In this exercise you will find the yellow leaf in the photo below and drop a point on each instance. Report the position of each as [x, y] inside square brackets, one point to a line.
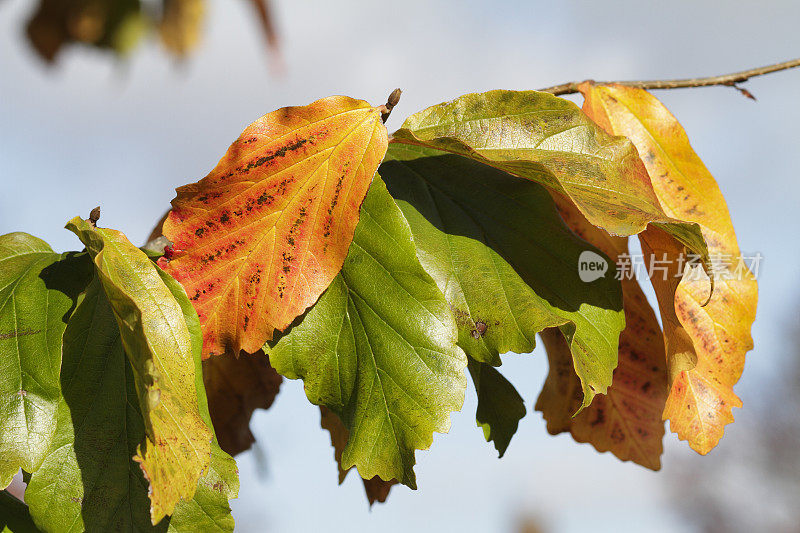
[705, 344]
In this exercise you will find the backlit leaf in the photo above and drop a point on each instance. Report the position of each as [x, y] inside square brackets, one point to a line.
[158, 344]
[263, 235]
[627, 419]
[236, 386]
[505, 261]
[549, 140]
[379, 348]
[38, 289]
[89, 480]
[706, 345]
[500, 407]
[376, 489]
[209, 510]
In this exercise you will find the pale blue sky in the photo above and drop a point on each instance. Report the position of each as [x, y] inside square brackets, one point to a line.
[91, 131]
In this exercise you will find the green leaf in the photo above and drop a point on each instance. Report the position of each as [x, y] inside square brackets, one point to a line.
[38, 288]
[549, 140]
[379, 348]
[506, 262]
[89, 481]
[156, 339]
[500, 407]
[14, 515]
[209, 510]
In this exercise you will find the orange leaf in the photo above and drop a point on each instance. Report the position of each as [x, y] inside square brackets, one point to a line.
[705, 345]
[237, 386]
[627, 419]
[264, 234]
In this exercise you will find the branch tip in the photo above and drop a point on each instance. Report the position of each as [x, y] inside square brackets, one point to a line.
[94, 216]
[386, 109]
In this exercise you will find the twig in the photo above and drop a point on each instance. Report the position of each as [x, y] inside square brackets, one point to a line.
[729, 80]
[386, 109]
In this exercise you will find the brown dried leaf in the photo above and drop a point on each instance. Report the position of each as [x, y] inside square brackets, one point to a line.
[237, 386]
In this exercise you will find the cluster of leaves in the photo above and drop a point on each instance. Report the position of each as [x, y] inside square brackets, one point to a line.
[380, 270]
[119, 25]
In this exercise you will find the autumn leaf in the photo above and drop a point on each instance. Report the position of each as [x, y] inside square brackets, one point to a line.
[376, 489]
[701, 374]
[379, 348]
[548, 140]
[38, 289]
[706, 344]
[236, 386]
[89, 480]
[258, 239]
[99, 407]
[627, 419]
[158, 344]
[505, 261]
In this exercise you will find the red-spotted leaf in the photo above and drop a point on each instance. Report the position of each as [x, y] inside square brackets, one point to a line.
[706, 338]
[264, 234]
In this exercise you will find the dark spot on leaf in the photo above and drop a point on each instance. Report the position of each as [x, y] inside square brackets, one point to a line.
[19, 333]
[480, 329]
[280, 152]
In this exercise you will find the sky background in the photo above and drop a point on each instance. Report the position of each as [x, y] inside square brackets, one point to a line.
[93, 131]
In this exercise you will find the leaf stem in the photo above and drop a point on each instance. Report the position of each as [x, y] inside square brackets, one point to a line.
[729, 80]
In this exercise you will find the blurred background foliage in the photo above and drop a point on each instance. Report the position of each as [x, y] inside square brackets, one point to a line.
[118, 26]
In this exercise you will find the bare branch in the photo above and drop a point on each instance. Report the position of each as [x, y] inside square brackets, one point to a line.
[730, 80]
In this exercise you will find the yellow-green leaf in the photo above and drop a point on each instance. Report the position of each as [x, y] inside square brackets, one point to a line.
[158, 343]
[546, 139]
[38, 289]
